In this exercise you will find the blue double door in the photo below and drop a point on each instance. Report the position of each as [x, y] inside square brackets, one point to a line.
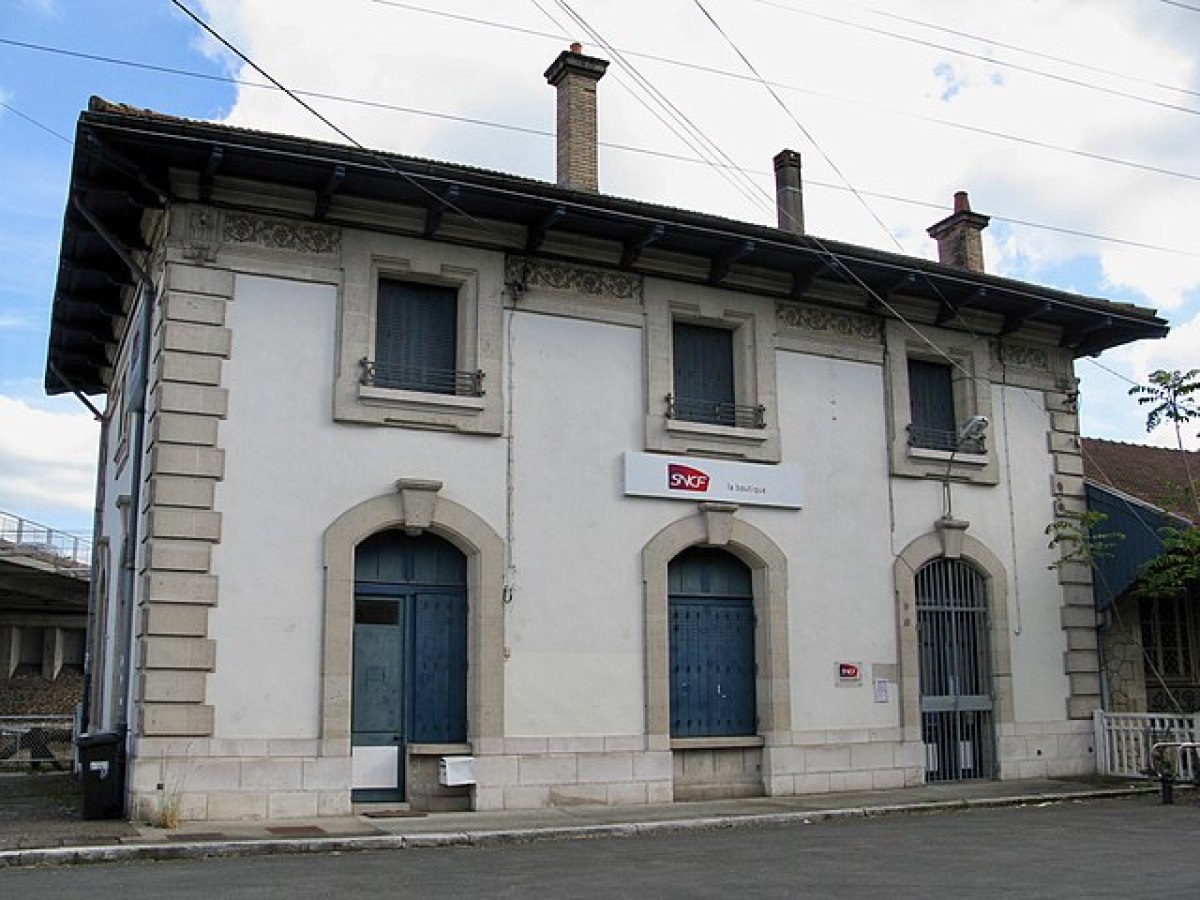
[711, 634]
[410, 657]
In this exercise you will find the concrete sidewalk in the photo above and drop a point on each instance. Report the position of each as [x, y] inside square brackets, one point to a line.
[40, 824]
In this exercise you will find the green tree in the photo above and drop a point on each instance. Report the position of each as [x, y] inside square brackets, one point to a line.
[1172, 397]
[1176, 569]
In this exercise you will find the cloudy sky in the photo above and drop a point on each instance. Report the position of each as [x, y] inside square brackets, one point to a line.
[1075, 124]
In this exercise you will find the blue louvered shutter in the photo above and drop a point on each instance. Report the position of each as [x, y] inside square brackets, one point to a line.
[931, 397]
[704, 389]
[439, 668]
[416, 338]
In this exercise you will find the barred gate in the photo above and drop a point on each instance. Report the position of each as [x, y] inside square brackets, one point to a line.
[1124, 742]
[957, 724]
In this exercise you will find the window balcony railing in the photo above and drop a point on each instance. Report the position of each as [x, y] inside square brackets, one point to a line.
[417, 378]
[733, 415]
[926, 438]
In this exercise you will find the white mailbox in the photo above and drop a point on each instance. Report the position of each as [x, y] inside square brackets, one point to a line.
[454, 771]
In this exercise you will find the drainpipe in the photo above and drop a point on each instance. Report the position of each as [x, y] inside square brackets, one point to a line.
[137, 406]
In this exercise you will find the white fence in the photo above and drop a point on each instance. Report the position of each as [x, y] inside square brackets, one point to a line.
[1124, 740]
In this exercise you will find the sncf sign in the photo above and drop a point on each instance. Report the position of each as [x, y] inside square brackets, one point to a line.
[685, 478]
[690, 478]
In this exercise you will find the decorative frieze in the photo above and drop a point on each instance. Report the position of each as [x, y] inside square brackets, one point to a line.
[830, 323]
[1021, 356]
[280, 234]
[526, 272]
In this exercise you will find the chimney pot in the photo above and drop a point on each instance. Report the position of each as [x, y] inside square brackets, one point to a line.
[574, 75]
[789, 192]
[960, 236]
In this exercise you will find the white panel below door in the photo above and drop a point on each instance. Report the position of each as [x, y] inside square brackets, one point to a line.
[374, 767]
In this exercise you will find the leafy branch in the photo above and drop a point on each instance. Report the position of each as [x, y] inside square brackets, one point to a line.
[1176, 569]
[1079, 539]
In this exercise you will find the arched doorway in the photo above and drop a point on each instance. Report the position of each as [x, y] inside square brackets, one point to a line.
[710, 599]
[956, 700]
[409, 655]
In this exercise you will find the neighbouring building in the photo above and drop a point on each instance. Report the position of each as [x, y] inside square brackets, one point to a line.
[43, 618]
[1150, 645]
[591, 500]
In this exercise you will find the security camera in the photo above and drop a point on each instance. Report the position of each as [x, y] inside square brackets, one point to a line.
[973, 428]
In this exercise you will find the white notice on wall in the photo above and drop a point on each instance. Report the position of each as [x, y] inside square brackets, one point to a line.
[881, 690]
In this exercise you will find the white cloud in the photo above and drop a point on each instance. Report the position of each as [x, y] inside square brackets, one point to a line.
[47, 458]
[866, 103]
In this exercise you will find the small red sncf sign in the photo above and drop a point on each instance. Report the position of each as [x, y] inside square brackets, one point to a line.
[685, 478]
[849, 672]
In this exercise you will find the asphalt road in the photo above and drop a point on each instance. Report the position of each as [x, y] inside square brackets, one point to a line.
[1124, 848]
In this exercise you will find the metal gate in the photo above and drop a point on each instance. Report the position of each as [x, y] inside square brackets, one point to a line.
[957, 722]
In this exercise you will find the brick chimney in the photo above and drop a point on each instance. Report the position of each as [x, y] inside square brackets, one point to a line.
[575, 77]
[960, 236]
[789, 192]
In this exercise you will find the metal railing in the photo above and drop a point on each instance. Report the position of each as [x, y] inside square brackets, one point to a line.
[734, 415]
[1125, 743]
[417, 378]
[926, 438]
[67, 553]
[31, 742]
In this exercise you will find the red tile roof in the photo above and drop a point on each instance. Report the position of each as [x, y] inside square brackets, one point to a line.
[1157, 475]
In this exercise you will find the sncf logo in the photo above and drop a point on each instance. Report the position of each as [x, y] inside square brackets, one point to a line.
[685, 478]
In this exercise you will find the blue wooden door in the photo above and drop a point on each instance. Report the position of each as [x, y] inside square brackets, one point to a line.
[410, 656]
[711, 636]
[378, 711]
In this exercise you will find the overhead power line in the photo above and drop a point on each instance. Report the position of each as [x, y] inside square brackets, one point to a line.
[611, 145]
[991, 60]
[920, 117]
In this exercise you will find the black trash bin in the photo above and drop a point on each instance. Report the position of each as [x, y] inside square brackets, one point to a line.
[102, 763]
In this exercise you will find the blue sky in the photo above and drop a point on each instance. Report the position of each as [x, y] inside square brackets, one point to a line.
[1063, 119]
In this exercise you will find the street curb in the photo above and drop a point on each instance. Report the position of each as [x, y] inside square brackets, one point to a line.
[109, 853]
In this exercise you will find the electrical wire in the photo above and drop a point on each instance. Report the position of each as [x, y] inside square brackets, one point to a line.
[444, 200]
[1016, 48]
[1028, 70]
[723, 73]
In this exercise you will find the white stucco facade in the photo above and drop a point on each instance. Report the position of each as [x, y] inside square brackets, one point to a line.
[566, 651]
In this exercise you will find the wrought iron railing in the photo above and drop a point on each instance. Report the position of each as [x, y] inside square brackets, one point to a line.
[419, 378]
[735, 415]
[1124, 742]
[31, 742]
[926, 438]
[67, 553]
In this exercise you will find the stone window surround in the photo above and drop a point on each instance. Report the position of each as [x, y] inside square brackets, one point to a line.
[972, 396]
[716, 525]
[752, 320]
[415, 506]
[920, 551]
[477, 276]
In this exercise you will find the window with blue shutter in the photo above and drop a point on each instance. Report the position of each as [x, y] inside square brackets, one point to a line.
[711, 645]
[416, 337]
[704, 388]
[931, 398]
